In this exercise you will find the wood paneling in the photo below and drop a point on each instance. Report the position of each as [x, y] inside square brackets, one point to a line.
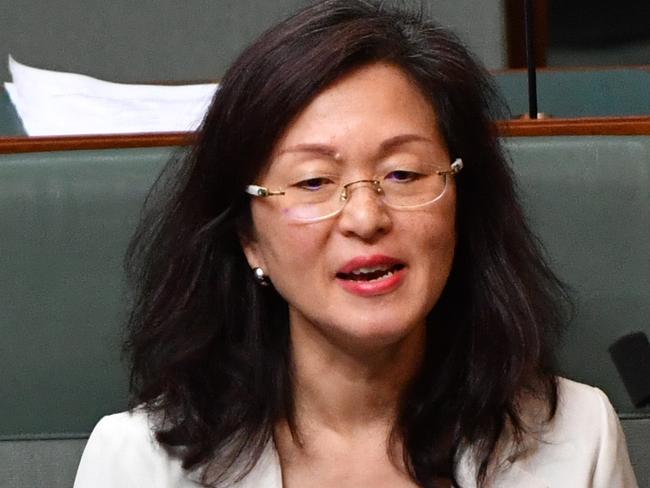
[69, 143]
[591, 126]
[588, 126]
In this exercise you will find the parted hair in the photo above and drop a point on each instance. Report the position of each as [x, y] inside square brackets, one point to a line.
[209, 348]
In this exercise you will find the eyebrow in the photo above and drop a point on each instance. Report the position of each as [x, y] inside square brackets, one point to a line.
[322, 149]
[398, 140]
[329, 151]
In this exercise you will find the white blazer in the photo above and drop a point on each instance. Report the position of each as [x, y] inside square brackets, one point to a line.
[583, 447]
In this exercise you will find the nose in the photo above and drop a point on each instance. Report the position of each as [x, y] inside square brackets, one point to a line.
[364, 214]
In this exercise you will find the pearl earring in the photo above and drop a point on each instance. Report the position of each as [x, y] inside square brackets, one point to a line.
[261, 278]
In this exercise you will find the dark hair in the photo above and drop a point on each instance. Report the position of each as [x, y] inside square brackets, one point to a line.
[210, 348]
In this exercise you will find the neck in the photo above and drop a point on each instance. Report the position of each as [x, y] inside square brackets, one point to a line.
[345, 389]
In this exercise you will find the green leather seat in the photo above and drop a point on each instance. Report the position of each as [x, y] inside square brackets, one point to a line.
[65, 220]
[588, 199]
[589, 202]
[39, 463]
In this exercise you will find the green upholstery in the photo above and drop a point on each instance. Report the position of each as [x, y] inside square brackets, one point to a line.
[10, 124]
[637, 435]
[581, 93]
[589, 202]
[65, 219]
[43, 463]
[588, 199]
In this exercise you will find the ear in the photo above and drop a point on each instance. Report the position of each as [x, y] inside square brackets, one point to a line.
[250, 246]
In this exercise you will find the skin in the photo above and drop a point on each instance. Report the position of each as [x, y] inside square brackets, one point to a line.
[354, 354]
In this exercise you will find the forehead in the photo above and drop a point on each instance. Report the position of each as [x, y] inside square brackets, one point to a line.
[360, 112]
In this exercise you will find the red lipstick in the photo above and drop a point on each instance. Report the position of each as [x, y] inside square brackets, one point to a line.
[371, 275]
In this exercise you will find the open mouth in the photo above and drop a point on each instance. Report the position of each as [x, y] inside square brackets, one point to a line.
[371, 273]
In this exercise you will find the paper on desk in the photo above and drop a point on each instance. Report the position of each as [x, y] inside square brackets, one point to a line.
[57, 103]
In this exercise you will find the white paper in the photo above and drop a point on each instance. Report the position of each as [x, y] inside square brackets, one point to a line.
[53, 103]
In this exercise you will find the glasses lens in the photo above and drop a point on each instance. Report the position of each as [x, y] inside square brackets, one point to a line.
[413, 187]
[312, 200]
[404, 186]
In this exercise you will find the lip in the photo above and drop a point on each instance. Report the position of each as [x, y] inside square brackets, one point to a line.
[374, 287]
[368, 262]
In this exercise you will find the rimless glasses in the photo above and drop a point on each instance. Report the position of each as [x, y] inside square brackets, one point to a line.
[313, 197]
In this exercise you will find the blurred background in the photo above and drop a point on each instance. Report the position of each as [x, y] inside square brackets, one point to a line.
[186, 40]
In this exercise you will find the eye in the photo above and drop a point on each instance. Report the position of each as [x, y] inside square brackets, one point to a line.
[402, 176]
[314, 184]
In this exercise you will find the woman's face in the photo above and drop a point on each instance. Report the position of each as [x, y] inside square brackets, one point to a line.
[402, 258]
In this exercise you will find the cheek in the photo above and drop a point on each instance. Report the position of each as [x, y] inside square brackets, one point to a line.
[295, 264]
[296, 251]
[287, 249]
[439, 247]
[446, 241]
[436, 245]
[446, 224]
[435, 229]
[441, 244]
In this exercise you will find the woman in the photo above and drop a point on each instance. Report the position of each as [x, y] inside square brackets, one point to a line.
[338, 287]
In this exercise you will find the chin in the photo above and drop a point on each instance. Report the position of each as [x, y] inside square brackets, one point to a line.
[378, 335]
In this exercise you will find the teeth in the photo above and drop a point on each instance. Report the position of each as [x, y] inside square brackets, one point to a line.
[388, 273]
[360, 271]
[371, 273]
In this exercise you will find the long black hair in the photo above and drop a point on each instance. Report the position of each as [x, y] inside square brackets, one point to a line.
[209, 347]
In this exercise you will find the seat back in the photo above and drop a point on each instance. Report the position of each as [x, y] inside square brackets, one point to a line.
[580, 93]
[588, 199]
[66, 218]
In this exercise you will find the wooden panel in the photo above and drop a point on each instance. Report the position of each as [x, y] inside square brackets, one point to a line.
[511, 128]
[588, 126]
[67, 143]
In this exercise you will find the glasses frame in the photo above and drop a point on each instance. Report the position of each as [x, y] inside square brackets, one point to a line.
[264, 192]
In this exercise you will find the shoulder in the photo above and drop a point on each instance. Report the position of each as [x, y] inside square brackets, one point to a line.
[582, 410]
[122, 452]
[126, 432]
[582, 445]
[124, 427]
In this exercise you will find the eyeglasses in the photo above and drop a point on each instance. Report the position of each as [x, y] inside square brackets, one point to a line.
[314, 197]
